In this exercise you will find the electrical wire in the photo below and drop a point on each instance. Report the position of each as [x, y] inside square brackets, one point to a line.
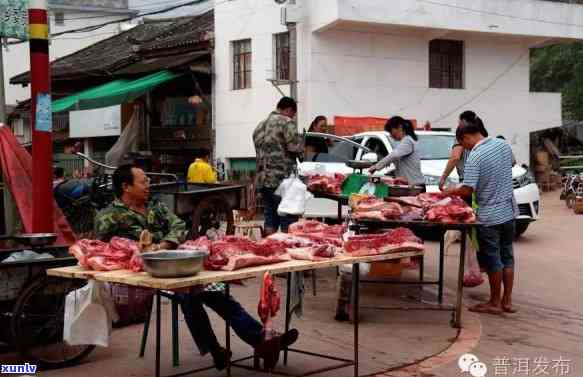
[488, 87]
[150, 6]
[127, 19]
[432, 2]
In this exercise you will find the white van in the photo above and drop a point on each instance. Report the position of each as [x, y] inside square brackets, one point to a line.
[435, 150]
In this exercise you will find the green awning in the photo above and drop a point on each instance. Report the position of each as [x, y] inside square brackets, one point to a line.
[112, 93]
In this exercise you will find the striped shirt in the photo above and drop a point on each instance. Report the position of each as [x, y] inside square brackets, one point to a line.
[488, 171]
[407, 160]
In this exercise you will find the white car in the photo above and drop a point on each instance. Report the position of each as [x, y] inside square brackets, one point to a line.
[435, 150]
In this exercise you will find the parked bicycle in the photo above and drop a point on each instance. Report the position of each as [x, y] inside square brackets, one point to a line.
[572, 187]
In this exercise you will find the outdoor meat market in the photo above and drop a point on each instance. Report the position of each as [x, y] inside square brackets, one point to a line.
[287, 187]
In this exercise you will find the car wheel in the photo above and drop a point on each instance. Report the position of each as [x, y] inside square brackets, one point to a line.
[520, 229]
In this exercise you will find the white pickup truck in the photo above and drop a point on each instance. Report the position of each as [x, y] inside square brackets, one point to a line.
[435, 150]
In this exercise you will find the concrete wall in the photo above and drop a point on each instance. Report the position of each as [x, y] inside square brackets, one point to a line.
[17, 58]
[355, 73]
[516, 17]
[239, 111]
[112, 4]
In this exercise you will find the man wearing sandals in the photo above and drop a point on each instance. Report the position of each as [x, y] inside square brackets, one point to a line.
[488, 173]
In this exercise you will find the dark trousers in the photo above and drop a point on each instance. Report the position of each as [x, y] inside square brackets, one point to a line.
[273, 220]
[197, 320]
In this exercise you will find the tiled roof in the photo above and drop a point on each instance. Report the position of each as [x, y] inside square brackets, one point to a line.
[147, 41]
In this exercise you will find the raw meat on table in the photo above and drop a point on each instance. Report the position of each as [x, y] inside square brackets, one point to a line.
[325, 183]
[369, 215]
[429, 198]
[412, 213]
[392, 211]
[450, 210]
[119, 254]
[405, 201]
[201, 243]
[371, 203]
[307, 226]
[399, 181]
[232, 253]
[269, 303]
[399, 239]
[317, 232]
[313, 253]
[290, 240]
[376, 209]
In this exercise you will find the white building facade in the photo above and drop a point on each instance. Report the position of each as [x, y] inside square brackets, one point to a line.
[65, 15]
[427, 60]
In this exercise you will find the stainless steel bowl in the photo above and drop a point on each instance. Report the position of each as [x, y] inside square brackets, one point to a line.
[174, 263]
[36, 239]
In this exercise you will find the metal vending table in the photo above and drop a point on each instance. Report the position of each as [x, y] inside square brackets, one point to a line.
[144, 280]
[362, 226]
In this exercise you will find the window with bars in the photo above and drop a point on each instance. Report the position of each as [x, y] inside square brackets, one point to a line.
[242, 64]
[60, 19]
[446, 64]
[282, 56]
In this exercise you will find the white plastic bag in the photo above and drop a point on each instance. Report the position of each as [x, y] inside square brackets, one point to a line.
[368, 188]
[89, 312]
[363, 269]
[294, 194]
[126, 143]
[472, 275]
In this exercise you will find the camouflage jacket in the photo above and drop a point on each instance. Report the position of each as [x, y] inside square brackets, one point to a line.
[277, 144]
[121, 221]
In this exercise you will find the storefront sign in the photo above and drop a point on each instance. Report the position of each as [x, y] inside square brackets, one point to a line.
[95, 123]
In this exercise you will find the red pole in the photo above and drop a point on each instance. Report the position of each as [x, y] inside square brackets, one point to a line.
[41, 119]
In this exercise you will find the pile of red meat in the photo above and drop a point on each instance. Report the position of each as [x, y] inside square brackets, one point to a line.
[400, 239]
[269, 300]
[434, 207]
[306, 240]
[326, 183]
[312, 240]
[230, 253]
[447, 209]
[389, 181]
[118, 254]
[373, 208]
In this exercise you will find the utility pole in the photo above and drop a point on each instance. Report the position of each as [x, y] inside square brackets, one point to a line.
[2, 95]
[41, 118]
[293, 59]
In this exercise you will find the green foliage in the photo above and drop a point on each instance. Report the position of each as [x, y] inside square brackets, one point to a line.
[559, 68]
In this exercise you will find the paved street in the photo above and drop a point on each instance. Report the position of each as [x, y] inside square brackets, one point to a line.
[549, 323]
[548, 294]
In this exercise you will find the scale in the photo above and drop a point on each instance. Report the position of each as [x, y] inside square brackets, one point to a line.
[33, 240]
[359, 166]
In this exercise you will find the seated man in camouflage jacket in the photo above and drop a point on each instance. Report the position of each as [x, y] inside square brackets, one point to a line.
[130, 214]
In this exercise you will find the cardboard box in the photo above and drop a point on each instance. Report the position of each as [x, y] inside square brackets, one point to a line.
[386, 269]
[578, 206]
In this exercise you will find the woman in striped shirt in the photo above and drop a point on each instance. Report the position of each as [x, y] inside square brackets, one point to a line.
[459, 155]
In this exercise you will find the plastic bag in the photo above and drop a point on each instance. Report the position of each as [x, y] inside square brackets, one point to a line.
[472, 275]
[363, 269]
[368, 188]
[89, 312]
[294, 195]
[126, 143]
[26, 255]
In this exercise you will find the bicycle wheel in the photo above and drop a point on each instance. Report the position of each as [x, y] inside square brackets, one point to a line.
[37, 324]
